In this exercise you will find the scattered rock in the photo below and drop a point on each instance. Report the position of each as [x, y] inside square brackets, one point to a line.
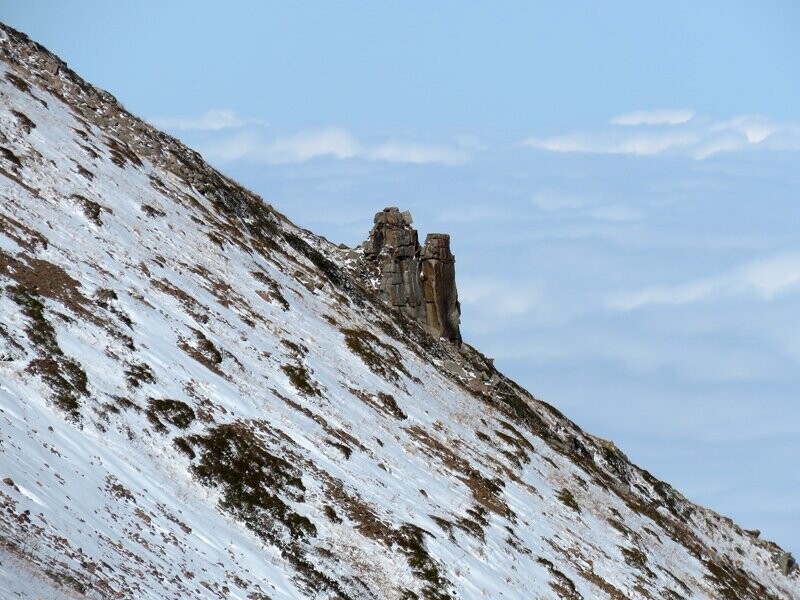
[753, 532]
[476, 385]
[622, 488]
[454, 368]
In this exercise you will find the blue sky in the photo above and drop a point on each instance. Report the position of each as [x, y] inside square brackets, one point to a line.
[621, 181]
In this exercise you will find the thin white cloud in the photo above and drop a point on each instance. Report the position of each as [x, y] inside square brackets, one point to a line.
[555, 200]
[756, 128]
[213, 120]
[613, 142]
[306, 145]
[333, 142]
[251, 143]
[467, 140]
[497, 297]
[675, 133]
[654, 117]
[585, 206]
[616, 213]
[404, 152]
[765, 278]
[232, 148]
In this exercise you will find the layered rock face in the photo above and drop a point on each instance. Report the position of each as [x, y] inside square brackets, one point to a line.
[420, 281]
[438, 275]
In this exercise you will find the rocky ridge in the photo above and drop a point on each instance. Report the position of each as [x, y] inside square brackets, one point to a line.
[200, 399]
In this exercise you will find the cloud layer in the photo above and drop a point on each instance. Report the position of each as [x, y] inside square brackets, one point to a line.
[765, 278]
[229, 138]
[213, 120]
[654, 117]
[331, 142]
[676, 133]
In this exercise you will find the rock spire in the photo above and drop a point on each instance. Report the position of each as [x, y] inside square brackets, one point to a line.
[420, 281]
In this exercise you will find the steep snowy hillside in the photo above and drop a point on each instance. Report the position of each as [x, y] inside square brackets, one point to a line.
[200, 399]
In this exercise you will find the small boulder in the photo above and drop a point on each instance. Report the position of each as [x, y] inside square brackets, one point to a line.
[786, 563]
[623, 489]
[753, 532]
[454, 368]
[478, 386]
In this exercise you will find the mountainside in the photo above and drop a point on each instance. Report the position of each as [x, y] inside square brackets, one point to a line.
[200, 399]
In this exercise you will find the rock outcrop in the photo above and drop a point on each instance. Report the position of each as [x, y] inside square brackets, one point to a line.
[787, 563]
[420, 281]
[438, 275]
[393, 247]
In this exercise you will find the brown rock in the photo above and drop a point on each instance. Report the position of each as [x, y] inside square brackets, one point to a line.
[394, 247]
[443, 310]
[786, 563]
[418, 281]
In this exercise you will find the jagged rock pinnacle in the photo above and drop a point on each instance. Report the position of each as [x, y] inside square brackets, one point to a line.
[419, 281]
[438, 275]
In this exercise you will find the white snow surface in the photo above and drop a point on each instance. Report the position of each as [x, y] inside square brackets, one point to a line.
[101, 503]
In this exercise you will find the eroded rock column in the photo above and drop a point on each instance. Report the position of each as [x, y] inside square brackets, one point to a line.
[438, 275]
[394, 245]
[419, 281]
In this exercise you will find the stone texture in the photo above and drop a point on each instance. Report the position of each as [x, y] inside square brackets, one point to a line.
[394, 247]
[453, 367]
[420, 281]
[787, 563]
[443, 311]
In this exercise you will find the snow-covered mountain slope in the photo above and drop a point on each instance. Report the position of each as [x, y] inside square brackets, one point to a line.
[199, 399]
